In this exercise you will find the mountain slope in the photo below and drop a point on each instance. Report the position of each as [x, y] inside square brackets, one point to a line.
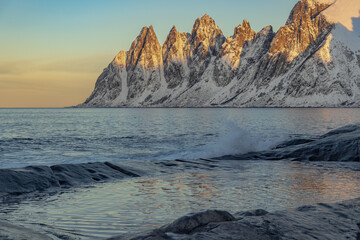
[312, 61]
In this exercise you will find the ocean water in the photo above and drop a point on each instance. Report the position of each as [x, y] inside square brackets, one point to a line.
[54, 136]
[133, 205]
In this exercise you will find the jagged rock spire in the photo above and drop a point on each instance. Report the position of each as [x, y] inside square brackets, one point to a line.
[174, 45]
[143, 64]
[205, 36]
[174, 57]
[303, 26]
[120, 59]
[231, 49]
[205, 41]
[145, 51]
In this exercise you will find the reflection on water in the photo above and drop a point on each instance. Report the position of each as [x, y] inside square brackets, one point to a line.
[108, 209]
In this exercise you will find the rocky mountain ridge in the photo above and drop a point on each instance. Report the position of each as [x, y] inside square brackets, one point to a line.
[306, 63]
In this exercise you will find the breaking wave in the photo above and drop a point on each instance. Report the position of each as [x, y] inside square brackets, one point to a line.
[238, 141]
[235, 140]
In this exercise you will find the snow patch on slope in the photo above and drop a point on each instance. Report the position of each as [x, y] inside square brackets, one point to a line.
[349, 39]
[324, 52]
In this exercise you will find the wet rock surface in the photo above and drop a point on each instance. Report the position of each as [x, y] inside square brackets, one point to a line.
[320, 221]
[15, 232]
[14, 182]
[341, 145]
[188, 223]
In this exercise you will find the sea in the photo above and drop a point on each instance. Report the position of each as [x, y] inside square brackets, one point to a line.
[78, 135]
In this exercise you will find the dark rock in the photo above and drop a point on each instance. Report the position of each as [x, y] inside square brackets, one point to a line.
[42, 178]
[26, 180]
[190, 222]
[341, 145]
[257, 212]
[70, 175]
[322, 221]
[294, 142]
[148, 235]
[9, 231]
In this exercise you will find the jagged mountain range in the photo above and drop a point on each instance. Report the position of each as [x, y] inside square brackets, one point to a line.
[311, 61]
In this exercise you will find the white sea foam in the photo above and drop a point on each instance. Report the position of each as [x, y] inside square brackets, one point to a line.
[235, 140]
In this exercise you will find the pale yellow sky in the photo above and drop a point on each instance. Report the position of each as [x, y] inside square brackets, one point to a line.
[39, 83]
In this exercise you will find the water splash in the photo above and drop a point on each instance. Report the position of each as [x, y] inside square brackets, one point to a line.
[236, 140]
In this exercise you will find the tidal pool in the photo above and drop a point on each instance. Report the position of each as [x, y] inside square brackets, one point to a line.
[106, 209]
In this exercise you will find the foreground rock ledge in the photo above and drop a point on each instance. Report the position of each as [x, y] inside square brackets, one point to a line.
[15, 232]
[321, 221]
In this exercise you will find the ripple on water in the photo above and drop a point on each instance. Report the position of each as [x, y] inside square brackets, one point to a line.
[136, 204]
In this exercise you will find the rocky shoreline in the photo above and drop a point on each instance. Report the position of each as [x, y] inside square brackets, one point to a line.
[320, 221]
[340, 145]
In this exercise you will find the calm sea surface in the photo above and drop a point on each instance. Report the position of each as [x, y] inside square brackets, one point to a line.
[53, 136]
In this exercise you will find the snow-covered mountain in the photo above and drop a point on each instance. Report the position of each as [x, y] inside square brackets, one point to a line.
[311, 61]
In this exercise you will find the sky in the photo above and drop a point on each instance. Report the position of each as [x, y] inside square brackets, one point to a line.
[52, 51]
